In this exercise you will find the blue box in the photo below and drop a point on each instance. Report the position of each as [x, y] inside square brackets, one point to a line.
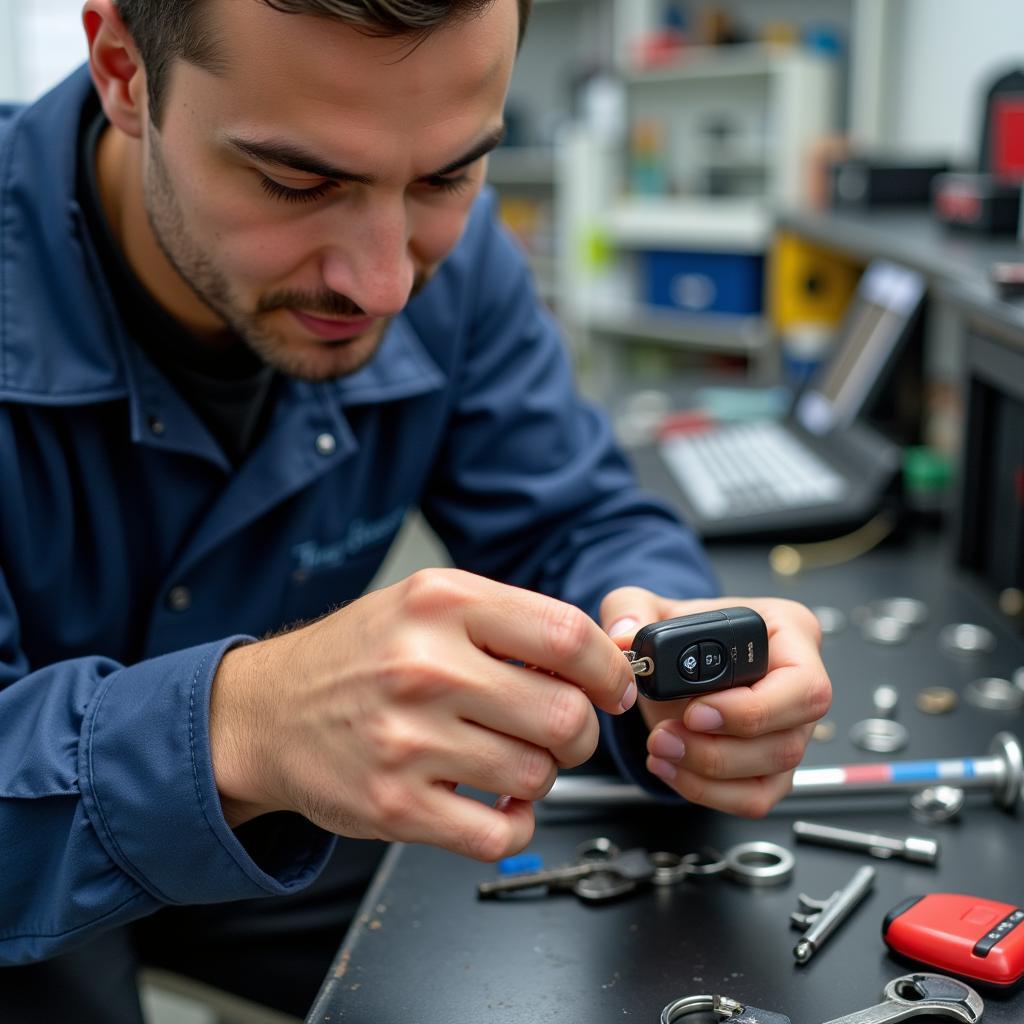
[703, 282]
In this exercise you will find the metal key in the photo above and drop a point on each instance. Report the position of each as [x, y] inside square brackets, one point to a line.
[632, 867]
[916, 994]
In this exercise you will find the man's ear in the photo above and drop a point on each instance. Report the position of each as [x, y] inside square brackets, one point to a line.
[116, 67]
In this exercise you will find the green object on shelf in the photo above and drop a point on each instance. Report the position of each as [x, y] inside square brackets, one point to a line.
[925, 470]
[597, 249]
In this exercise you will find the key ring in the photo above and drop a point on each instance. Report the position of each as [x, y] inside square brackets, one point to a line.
[600, 848]
[707, 861]
[680, 1008]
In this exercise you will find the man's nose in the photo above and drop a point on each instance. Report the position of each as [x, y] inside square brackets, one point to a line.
[371, 262]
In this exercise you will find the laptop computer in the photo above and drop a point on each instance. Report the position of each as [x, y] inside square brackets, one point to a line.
[824, 466]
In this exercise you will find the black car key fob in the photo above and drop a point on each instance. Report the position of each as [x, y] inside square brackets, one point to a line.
[700, 653]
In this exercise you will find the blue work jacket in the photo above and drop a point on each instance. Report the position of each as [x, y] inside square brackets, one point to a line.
[133, 553]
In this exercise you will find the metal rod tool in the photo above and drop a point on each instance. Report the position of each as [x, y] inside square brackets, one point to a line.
[829, 914]
[1001, 772]
[878, 844]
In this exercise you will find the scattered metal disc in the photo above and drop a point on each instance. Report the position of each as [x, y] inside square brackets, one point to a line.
[885, 700]
[879, 735]
[936, 700]
[885, 630]
[907, 609]
[824, 731]
[994, 694]
[1018, 678]
[831, 620]
[937, 803]
[966, 638]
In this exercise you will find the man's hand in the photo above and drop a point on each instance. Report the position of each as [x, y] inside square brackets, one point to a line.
[734, 750]
[366, 720]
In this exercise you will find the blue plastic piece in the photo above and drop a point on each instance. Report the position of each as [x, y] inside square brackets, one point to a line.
[520, 864]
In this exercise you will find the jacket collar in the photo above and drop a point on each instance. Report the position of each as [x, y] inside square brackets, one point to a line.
[61, 339]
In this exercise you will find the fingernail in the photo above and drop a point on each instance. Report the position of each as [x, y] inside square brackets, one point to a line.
[665, 771]
[620, 626]
[629, 697]
[704, 718]
[667, 745]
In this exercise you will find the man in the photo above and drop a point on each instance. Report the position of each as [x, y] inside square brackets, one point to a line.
[254, 308]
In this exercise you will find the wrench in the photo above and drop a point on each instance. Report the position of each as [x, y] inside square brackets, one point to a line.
[915, 994]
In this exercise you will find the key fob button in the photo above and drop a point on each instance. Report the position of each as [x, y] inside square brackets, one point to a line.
[689, 663]
[712, 660]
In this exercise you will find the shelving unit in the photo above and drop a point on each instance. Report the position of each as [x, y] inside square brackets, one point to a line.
[779, 101]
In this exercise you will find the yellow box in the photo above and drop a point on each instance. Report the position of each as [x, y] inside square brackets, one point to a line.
[807, 283]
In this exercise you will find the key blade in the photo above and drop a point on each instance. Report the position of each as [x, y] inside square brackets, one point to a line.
[552, 878]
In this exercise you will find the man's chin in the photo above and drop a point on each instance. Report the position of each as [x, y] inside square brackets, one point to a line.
[320, 360]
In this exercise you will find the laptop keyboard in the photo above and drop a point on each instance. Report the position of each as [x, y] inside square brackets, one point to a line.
[747, 468]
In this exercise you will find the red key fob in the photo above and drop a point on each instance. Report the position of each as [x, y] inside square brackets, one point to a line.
[960, 934]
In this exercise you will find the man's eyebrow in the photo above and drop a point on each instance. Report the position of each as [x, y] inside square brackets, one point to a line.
[285, 154]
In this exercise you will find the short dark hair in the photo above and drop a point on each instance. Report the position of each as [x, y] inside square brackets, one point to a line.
[165, 31]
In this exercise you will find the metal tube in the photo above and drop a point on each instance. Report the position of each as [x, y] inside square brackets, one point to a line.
[1001, 771]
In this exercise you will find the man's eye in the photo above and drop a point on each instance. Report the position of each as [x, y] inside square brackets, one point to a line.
[452, 185]
[276, 190]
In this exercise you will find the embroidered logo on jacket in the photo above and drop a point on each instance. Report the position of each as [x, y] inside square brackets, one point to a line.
[312, 556]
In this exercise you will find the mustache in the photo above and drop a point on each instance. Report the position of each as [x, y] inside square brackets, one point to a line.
[327, 303]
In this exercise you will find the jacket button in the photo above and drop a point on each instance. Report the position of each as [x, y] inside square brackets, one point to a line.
[156, 425]
[179, 599]
[325, 444]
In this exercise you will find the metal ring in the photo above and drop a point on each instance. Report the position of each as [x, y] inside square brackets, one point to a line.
[885, 629]
[599, 848]
[707, 862]
[759, 863]
[669, 868]
[879, 735]
[994, 694]
[831, 620]
[966, 638]
[906, 609]
[723, 1006]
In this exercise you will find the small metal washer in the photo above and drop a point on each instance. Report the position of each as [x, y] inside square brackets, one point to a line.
[936, 700]
[831, 620]
[966, 638]
[759, 863]
[994, 694]
[937, 803]
[907, 609]
[879, 735]
[885, 700]
[885, 629]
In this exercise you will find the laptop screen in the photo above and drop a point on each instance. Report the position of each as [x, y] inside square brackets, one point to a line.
[877, 322]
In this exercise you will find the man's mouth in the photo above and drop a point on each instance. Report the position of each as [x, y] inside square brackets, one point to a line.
[333, 330]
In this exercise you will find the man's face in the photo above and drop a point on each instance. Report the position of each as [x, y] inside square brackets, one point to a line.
[308, 190]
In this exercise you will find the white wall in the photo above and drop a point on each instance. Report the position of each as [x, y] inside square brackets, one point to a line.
[944, 55]
[40, 42]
